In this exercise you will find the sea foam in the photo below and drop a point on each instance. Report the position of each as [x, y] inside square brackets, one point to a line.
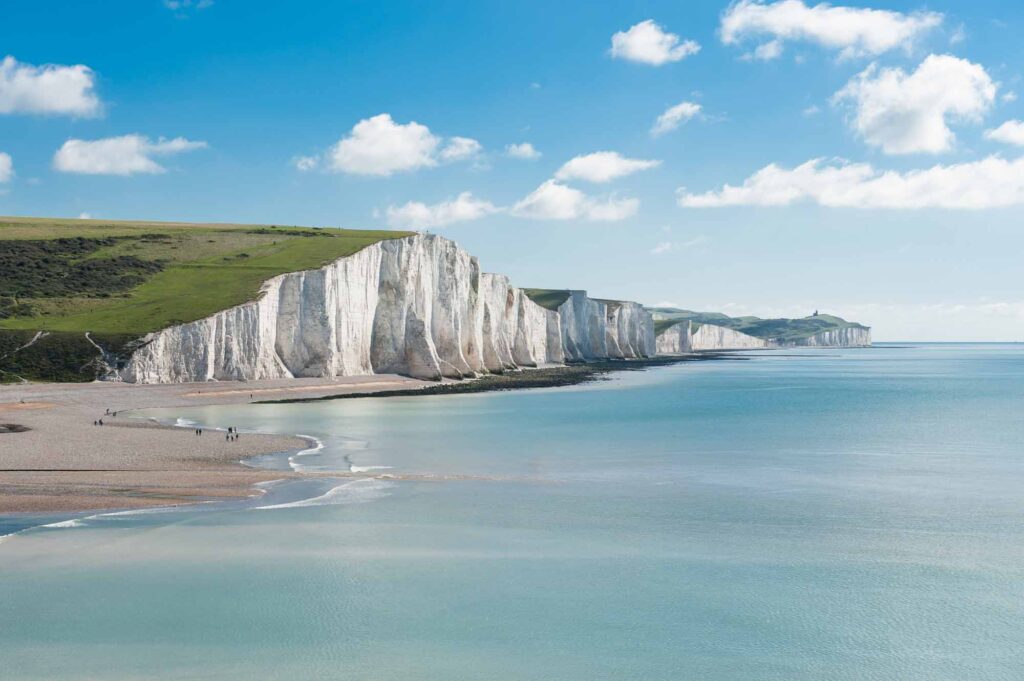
[351, 492]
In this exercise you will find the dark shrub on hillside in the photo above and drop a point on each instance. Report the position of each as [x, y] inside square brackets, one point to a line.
[59, 267]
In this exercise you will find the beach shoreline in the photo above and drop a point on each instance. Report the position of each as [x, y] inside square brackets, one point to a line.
[60, 462]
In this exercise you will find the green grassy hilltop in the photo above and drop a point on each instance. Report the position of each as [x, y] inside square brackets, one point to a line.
[134, 277]
[119, 280]
[779, 330]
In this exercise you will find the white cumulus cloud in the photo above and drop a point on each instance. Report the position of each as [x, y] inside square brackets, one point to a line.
[853, 31]
[907, 113]
[380, 146]
[125, 155]
[675, 116]
[418, 215]
[1010, 132]
[602, 166]
[6, 168]
[556, 201]
[523, 151]
[648, 43]
[460, 148]
[993, 182]
[47, 89]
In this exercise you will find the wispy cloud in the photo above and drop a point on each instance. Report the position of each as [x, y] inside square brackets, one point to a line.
[1010, 132]
[125, 155]
[463, 208]
[852, 31]
[675, 116]
[993, 182]
[602, 166]
[524, 151]
[556, 201]
[669, 246]
[6, 168]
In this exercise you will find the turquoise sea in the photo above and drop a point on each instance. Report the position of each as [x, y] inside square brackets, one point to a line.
[797, 516]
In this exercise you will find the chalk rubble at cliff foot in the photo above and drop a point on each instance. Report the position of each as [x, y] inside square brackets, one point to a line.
[417, 306]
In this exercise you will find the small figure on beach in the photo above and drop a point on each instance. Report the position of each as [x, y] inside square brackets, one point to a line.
[101, 422]
[95, 422]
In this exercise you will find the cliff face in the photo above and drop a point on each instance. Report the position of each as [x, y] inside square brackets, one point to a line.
[675, 340]
[849, 337]
[711, 337]
[680, 339]
[417, 306]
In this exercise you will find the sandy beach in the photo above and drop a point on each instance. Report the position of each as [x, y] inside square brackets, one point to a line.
[64, 463]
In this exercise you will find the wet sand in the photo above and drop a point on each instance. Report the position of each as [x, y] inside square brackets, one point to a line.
[64, 463]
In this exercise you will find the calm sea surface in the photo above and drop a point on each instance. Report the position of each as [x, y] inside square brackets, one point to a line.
[798, 516]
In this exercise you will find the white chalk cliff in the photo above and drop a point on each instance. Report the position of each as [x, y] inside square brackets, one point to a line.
[681, 338]
[847, 337]
[417, 306]
[675, 340]
[712, 337]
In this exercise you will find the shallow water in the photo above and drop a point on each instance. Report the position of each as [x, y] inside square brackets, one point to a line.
[802, 515]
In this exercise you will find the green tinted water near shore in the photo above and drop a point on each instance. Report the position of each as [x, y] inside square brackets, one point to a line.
[805, 515]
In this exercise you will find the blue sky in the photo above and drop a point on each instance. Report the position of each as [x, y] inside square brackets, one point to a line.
[213, 106]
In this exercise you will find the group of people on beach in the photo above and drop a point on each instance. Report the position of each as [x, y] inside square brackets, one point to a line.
[99, 422]
[230, 436]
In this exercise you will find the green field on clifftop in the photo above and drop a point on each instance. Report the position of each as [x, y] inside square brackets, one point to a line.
[118, 277]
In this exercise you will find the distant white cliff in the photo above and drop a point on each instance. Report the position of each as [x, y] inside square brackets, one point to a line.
[417, 306]
[848, 337]
[681, 338]
[675, 340]
[711, 337]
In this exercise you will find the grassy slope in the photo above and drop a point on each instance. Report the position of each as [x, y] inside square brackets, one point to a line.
[663, 325]
[552, 299]
[784, 330]
[206, 268]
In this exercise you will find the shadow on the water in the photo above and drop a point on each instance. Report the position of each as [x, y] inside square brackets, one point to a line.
[545, 377]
